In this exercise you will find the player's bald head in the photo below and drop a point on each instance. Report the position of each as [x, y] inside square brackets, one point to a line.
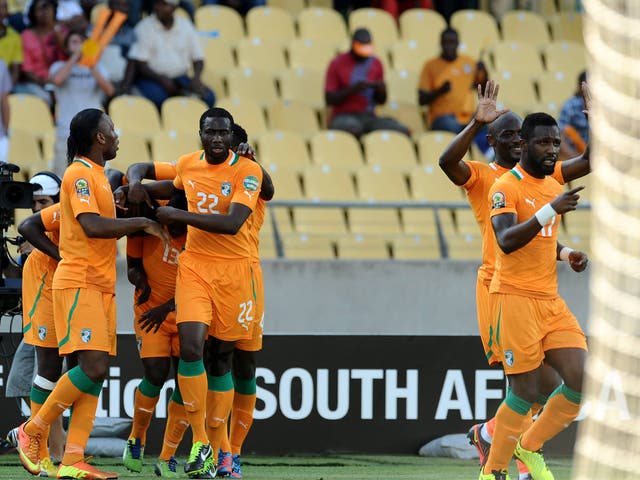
[507, 121]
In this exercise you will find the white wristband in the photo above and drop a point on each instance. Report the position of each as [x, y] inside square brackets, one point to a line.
[564, 253]
[545, 214]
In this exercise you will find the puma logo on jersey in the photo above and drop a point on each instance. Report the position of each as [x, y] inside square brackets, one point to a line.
[249, 194]
[56, 217]
[531, 202]
[192, 183]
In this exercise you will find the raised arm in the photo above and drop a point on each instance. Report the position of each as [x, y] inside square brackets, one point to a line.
[581, 165]
[32, 229]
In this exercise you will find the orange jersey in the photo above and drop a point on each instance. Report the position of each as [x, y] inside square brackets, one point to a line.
[160, 263]
[256, 220]
[165, 170]
[86, 262]
[211, 189]
[459, 101]
[530, 270]
[50, 217]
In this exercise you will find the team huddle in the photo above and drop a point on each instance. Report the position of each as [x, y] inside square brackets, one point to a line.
[205, 310]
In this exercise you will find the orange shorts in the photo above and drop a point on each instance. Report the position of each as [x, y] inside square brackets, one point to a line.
[525, 328]
[484, 320]
[85, 320]
[163, 343]
[219, 294]
[38, 325]
[254, 344]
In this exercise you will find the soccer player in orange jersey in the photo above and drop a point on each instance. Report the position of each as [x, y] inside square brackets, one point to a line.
[531, 323]
[477, 178]
[214, 294]
[83, 293]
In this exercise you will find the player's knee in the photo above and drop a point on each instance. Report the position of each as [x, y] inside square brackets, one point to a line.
[219, 364]
[156, 372]
[190, 352]
[244, 364]
[214, 422]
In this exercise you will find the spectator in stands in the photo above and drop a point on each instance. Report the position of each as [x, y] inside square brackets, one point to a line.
[166, 47]
[242, 6]
[77, 87]
[41, 47]
[5, 89]
[10, 44]
[447, 85]
[354, 86]
[573, 124]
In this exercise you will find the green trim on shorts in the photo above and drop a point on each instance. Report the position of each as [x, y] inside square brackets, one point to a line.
[71, 310]
[39, 396]
[517, 404]
[220, 384]
[148, 389]
[190, 369]
[253, 285]
[245, 387]
[176, 396]
[35, 302]
[498, 326]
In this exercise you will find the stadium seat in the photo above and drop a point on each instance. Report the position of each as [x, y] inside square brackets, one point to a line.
[282, 216]
[293, 116]
[552, 108]
[431, 145]
[465, 247]
[422, 26]
[182, 113]
[312, 54]
[247, 113]
[402, 86]
[524, 27]
[418, 221]
[415, 247]
[286, 181]
[323, 183]
[389, 149]
[250, 83]
[567, 57]
[169, 145]
[380, 222]
[361, 247]
[380, 23]
[316, 220]
[337, 149]
[517, 91]
[284, 149]
[272, 24]
[261, 54]
[432, 185]
[267, 246]
[303, 85]
[411, 56]
[409, 115]
[220, 22]
[32, 114]
[217, 54]
[555, 87]
[465, 221]
[547, 8]
[132, 149]
[477, 29]
[516, 58]
[135, 114]
[587, 192]
[24, 151]
[294, 7]
[577, 230]
[381, 184]
[305, 246]
[567, 26]
[323, 25]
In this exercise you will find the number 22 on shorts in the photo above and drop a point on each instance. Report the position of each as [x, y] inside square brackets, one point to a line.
[245, 317]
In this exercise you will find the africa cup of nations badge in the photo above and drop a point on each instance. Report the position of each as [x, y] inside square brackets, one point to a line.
[82, 188]
[498, 200]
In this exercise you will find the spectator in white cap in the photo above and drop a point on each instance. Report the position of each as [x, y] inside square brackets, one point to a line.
[47, 194]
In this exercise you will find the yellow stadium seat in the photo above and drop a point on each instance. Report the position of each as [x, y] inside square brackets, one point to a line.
[477, 30]
[312, 54]
[182, 113]
[218, 55]
[303, 85]
[250, 83]
[587, 192]
[293, 116]
[24, 151]
[517, 91]
[402, 86]
[567, 26]
[555, 87]
[286, 182]
[336, 149]
[381, 222]
[431, 145]
[247, 113]
[567, 57]
[578, 222]
[213, 79]
[418, 221]
[320, 3]
[465, 220]
[31, 113]
[272, 24]
[282, 217]
[517, 58]
[294, 7]
[169, 145]
[415, 247]
[323, 25]
[525, 27]
[389, 149]
[323, 183]
[547, 8]
[135, 114]
[552, 108]
[380, 24]
[267, 246]
[411, 55]
[220, 22]
[422, 25]
[381, 184]
[432, 185]
[305, 246]
[407, 114]
[261, 54]
[285, 149]
[316, 220]
[465, 247]
[132, 149]
[361, 247]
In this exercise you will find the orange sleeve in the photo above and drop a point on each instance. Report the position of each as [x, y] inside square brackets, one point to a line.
[134, 247]
[503, 197]
[50, 217]
[177, 180]
[557, 173]
[165, 170]
[473, 178]
[247, 185]
[81, 188]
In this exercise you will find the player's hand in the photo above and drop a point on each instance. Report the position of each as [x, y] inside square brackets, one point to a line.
[567, 201]
[445, 88]
[578, 261]
[138, 194]
[25, 248]
[165, 214]
[586, 97]
[143, 292]
[120, 198]
[157, 230]
[152, 319]
[246, 150]
[487, 110]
